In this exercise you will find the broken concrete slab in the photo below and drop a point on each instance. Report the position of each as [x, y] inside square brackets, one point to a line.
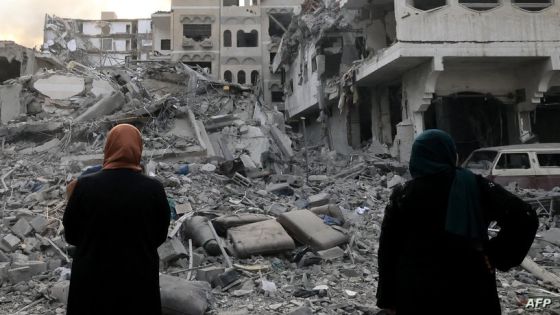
[101, 88]
[260, 238]
[60, 87]
[11, 106]
[28, 128]
[47, 146]
[59, 291]
[181, 297]
[307, 228]
[209, 274]
[283, 142]
[106, 106]
[331, 253]
[21, 228]
[171, 250]
[24, 271]
[319, 200]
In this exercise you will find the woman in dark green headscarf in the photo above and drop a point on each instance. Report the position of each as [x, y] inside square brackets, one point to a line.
[434, 255]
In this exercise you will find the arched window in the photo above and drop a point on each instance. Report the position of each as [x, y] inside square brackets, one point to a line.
[228, 76]
[250, 39]
[241, 77]
[426, 5]
[532, 5]
[227, 38]
[480, 5]
[254, 77]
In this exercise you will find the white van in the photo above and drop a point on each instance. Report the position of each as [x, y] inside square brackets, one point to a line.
[530, 165]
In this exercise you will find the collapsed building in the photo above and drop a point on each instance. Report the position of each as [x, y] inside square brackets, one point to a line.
[485, 71]
[99, 43]
[234, 40]
[267, 217]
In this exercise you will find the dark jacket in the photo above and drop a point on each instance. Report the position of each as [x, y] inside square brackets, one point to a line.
[117, 219]
[425, 270]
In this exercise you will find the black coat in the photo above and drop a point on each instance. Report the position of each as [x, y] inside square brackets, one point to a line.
[425, 270]
[117, 219]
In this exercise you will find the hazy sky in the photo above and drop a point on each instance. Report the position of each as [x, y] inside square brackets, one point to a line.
[22, 20]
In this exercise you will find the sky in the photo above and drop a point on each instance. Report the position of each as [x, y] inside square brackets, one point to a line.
[22, 21]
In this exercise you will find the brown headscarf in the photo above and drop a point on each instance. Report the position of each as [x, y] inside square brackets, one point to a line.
[123, 148]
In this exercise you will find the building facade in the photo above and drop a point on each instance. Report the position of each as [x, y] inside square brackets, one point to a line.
[234, 40]
[485, 71]
[99, 43]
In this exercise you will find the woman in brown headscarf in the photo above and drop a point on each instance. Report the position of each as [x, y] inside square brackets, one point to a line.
[116, 218]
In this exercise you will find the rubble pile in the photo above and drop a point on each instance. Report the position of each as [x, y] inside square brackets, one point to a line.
[257, 228]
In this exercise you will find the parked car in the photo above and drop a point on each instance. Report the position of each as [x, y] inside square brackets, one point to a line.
[530, 165]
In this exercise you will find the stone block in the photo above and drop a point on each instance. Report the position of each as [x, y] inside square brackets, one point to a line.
[59, 291]
[39, 224]
[209, 274]
[10, 242]
[318, 200]
[171, 250]
[21, 228]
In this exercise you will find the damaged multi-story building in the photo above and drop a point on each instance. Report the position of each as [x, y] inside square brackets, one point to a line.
[107, 42]
[234, 40]
[486, 71]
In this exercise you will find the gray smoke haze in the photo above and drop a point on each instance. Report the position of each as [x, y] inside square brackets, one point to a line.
[22, 20]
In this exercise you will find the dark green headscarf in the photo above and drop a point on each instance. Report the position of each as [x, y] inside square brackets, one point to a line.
[434, 152]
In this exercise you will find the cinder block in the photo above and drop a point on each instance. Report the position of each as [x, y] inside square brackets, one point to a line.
[39, 224]
[21, 228]
[10, 242]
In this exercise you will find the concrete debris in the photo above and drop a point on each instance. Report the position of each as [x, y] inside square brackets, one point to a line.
[60, 87]
[180, 297]
[298, 245]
